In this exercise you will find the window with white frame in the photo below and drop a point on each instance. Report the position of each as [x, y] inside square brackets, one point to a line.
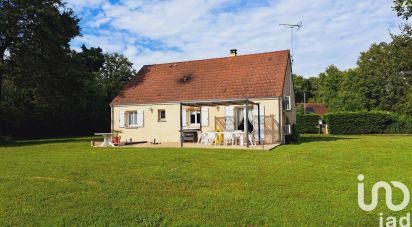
[161, 115]
[287, 103]
[132, 119]
[194, 117]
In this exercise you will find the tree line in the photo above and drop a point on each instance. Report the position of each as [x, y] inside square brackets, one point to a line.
[47, 88]
[382, 79]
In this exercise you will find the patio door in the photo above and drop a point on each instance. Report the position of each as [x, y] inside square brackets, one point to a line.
[256, 122]
[240, 118]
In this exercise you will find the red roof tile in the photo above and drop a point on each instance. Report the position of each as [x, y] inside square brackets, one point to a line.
[318, 108]
[243, 76]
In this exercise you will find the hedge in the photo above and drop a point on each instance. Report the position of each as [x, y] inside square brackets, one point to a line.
[307, 123]
[359, 122]
[402, 125]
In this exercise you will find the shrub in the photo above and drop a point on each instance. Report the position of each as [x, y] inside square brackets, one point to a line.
[307, 123]
[359, 122]
[402, 125]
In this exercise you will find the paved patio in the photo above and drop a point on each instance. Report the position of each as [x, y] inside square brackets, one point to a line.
[195, 145]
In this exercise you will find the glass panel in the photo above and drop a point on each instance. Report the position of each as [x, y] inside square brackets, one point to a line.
[162, 114]
[198, 117]
[132, 118]
[193, 118]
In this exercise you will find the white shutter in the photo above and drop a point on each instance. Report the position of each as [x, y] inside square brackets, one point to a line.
[184, 118]
[229, 119]
[121, 119]
[205, 116]
[140, 118]
[255, 121]
[262, 122]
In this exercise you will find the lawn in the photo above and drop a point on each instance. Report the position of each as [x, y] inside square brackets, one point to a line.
[66, 182]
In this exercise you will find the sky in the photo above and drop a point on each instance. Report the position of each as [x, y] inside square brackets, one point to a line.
[161, 31]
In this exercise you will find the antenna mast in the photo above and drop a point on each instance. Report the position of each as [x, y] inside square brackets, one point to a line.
[297, 26]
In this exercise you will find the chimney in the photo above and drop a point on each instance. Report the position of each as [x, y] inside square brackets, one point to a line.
[233, 52]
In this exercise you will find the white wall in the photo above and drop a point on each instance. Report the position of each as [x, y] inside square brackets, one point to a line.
[168, 131]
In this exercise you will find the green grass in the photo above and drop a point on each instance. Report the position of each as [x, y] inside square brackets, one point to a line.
[66, 182]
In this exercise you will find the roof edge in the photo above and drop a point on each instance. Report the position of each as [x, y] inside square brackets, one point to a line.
[189, 101]
[206, 59]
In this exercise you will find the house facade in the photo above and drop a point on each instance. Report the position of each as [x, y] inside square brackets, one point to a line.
[252, 93]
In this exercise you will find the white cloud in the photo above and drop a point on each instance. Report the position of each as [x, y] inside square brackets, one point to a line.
[79, 5]
[334, 32]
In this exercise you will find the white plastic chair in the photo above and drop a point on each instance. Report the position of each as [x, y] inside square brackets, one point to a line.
[252, 138]
[211, 138]
[228, 137]
[236, 136]
[201, 136]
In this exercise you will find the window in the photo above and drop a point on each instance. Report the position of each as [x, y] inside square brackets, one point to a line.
[287, 103]
[132, 119]
[161, 115]
[194, 117]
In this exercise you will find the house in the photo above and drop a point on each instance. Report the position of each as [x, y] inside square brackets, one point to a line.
[163, 101]
[314, 108]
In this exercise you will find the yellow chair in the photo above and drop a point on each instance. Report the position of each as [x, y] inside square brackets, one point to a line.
[219, 138]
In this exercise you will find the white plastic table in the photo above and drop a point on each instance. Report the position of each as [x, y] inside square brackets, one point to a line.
[107, 139]
[239, 135]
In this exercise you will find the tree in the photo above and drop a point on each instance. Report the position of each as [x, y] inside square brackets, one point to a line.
[304, 87]
[329, 85]
[47, 88]
[385, 75]
[35, 58]
[116, 71]
[26, 25]
[403, 8]
[349, 97]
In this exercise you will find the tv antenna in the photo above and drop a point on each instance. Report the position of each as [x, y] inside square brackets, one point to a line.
[292, 27]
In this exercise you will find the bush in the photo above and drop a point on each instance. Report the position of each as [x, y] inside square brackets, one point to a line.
[402, 125]
[307, 123]
[360, 122]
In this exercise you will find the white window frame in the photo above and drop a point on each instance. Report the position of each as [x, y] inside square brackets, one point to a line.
[287, 101]
[133, 118]
[197, 120]
[159, 117]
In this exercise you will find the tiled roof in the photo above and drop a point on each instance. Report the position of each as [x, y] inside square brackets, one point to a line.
[318, 108]
[243, 76]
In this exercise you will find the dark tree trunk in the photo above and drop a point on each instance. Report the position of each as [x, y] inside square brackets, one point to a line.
[1, 76]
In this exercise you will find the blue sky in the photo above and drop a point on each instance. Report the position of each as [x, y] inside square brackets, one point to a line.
[150, 32]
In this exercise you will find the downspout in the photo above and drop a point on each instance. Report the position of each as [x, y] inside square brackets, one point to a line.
[111, 118]
[181, 125]
[282, 139]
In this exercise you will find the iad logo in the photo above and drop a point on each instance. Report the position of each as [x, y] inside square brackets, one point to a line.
[403, 221]
[388, 190]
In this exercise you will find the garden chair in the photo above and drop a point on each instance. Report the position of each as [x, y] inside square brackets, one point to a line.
[211, 138]
[236, 136]
[201, 136]
[252, 138]
[228, 137]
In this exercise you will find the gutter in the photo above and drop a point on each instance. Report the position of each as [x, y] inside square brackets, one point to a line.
[111, 117]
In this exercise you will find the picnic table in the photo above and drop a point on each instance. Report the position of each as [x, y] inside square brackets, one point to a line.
[107, 139]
